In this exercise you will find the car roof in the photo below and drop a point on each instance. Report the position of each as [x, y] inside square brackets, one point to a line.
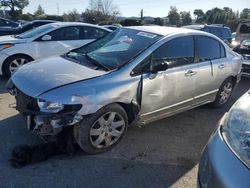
[49, 21]
[193, 26]
[62, 24]
[164, 31]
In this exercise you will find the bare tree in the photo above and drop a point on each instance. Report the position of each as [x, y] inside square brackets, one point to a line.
[15, 6]
[101, 11]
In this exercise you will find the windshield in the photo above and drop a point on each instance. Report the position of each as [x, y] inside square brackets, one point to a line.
[246, 42]
[118, 47]
[36, 31]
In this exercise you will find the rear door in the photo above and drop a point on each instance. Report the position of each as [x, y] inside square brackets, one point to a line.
[212, 66]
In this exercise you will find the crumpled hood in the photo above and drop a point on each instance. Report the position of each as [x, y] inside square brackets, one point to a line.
[38, 77]
[11, 39]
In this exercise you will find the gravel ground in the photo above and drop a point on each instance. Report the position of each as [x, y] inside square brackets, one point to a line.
[162, 154]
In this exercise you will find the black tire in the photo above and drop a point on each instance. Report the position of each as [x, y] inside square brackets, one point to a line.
[8, 61]
[82, 131]
[219, 102]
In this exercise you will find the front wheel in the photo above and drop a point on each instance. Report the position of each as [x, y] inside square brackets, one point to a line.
[14, 62]
[101, 131]
[224, 93]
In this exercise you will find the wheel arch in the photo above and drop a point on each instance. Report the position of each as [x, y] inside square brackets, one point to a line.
[132, 110]
[18, 54]
[233, 78]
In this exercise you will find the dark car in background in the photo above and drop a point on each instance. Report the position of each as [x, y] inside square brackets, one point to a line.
[24, 28]
[5, 23]
[244, 50]
[242, 32]
[225, 161]
[220, 30]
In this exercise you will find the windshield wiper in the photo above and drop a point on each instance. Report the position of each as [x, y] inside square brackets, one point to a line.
[96, 62]
[17, 37]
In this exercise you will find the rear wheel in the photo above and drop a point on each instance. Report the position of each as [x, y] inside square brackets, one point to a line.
[103, 130]
[14, 62]
[224, 93]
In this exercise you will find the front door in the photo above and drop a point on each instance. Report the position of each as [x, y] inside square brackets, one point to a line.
[62, 41]
[170, 91]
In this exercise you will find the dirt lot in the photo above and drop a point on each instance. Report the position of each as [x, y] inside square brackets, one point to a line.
[161, 154]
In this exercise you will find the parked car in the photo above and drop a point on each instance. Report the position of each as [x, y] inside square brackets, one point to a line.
[220, 30]
[5, 23]
[244, 50]
[134, 74]
[23, 28]
[48, 40]
[242, 33]
[111, 27]
[225, 160]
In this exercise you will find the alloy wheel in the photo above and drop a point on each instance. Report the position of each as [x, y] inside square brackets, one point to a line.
[15, 64]
[226, 93]
[107, 130]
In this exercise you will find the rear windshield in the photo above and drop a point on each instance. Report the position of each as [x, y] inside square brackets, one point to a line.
[245, 29]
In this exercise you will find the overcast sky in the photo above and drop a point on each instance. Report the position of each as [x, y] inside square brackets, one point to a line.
[155, 8]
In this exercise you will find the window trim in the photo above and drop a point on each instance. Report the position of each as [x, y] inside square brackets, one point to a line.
[56, 29]
[194, 48]
[198, 48]
[152, 53]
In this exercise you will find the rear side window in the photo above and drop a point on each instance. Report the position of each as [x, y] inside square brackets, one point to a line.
[93, 33]
[209, 49]
[226, 33]
[216, 31]
[177, 52]
[244, 28]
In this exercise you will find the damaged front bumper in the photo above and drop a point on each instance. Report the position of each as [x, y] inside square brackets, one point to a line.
[49, 125]
[45, 124]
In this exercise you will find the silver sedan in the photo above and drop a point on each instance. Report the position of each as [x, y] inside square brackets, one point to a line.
[134, 74]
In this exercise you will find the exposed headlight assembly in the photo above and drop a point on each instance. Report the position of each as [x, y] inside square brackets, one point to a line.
[52, 107]
[236, 130]
[234, 43]
[4, 46]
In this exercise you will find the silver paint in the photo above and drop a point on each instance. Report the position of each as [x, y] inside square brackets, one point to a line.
[163, 94]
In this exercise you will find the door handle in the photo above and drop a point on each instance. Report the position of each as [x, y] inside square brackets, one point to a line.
[190, 73]
[221, 66]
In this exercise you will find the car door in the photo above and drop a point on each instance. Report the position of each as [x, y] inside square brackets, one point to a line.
[170, 91]
[211, 64]
[64, 39]
[57, 42]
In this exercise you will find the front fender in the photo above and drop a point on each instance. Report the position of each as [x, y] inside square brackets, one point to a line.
[96, 93]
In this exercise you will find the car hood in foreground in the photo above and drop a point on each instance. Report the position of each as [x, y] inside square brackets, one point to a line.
[11, 39]
[39, 77]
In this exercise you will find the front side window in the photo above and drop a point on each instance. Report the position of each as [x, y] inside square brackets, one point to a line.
[177, 52]
[66, 33]
[209, 49]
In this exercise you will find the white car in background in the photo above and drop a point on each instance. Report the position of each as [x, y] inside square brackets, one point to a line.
[48, 40]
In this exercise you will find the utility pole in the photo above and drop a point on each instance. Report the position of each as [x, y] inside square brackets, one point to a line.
[141, 15]
[99, 6]
[57, 4]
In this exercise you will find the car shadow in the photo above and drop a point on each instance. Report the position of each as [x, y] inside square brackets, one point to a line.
[3, 82]
[155, 155]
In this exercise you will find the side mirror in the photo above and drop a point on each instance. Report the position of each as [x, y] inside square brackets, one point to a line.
[159, 65]
[46, 38]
